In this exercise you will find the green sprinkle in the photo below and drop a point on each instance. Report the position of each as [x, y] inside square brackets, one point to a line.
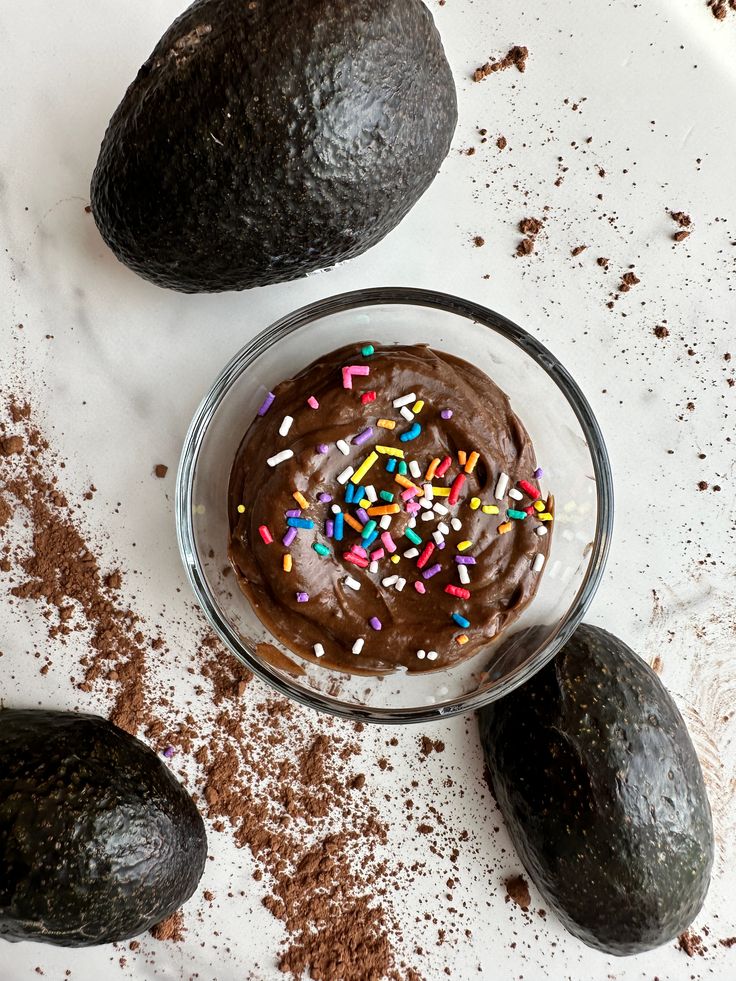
[517, 515]
[403, 468]
[384, 495]
[413, 537]
[320, 549]
[368, 528]
[368, 350]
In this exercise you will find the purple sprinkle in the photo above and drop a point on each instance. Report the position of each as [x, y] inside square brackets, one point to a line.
[267, 403]
[465, 560]
[323, 448]
[362, 516]
[169, 752]
[538, 473]
[325, 498]
[375, 623]
[441, 544]
[362, 437]
[294, 513]
[302, 597]
[432, 571]
[329, 527]
[446, 413]
[289, 537]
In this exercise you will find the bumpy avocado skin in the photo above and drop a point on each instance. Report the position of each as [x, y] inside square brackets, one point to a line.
[601, 789]
[98, 841]
[261, 141]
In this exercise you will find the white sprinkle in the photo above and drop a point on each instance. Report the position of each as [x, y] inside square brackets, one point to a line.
[424, 503]
[319, 650]
[373, 567]
[443, 528]
[501, 487]
[538, 562]
[516, 494]
[274, 461]
[336, 509]
[407, 413]
[389, 581]
[421, 654]
[438, 537]
[414, 469]
[428, 516]
[404, 400]
[344, 477]
[358, 645]
[385, 521]
[370, 493]
[541, 531]
[412, 523]
[456, 523]
[285, 425]
[439, 508]
[411, 553]
[354, 584]
[432, 655]
[400, 583]
[429, 492]
[462, 571]
[342, 446]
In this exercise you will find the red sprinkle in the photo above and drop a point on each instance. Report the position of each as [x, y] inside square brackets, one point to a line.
[367, 397]
[424, 557]
[529, 489]
[457, 591]
[530, 509]
[444, 467]
[355, 559]
[456, 488]
[265, 534]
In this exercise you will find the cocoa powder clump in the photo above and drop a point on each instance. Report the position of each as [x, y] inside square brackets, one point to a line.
[516, 57]
[517, 890]
[171, 928]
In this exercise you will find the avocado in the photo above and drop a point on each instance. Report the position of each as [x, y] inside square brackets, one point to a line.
[261, 141]
[98, 841]
[600, 787]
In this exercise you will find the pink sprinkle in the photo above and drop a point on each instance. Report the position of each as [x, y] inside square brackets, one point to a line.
[367, 397]
[353, 369]
[265, 534]
[420, 587]
[359, 550]
[413, 507]
[389, 543]
[408, 493]
[376, 554]
[312, 402]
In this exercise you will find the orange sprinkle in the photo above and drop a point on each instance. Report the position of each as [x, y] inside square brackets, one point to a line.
[502, 529]
[432, 467]
[300, 500]
[472, 460]
[462, 456]
[353, 522]
[386, 424]
[405, 482]
[462, 639]
[287, 562]
[383, 509]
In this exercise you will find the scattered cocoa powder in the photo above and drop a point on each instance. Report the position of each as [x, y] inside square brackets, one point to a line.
[530, 227]
[478, 241]
[603, 261]
[160, 470]
[431, 745]
[171, 928]
[502, 143]
[578, 249]
[10, 445]
[691, 943]
[720, 8]
[702, 485]
[728, 942]
[661, 331]
[628, 279]
[517, 890]
[516, 57]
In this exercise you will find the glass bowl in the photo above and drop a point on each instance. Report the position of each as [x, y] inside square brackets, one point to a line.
[568, 444]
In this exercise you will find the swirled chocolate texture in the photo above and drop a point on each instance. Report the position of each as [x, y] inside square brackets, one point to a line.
[314, 603]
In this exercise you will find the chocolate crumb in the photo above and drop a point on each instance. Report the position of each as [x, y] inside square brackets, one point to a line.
[603, 261]
[691, 943]
[517, 889]
[160, 470]
[661, 331]
[11, 445]
[578, 249]
[530, 226]
[628, 280]
[171, 928]
[502, 143]
[702, 485]
[516, 57]
[478, 241]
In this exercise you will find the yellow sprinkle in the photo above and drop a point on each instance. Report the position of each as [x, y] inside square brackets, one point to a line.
[391, 451]
[353, 522]
[545, 516]
[489, 509]
[405, 482]
[441, 491]
[418, 406]
[287, 563]
[462, 639]
[300, 500]
[472, 460]
[462, 456]
[365, 503]
[364, 467]
[383, 509]
[539, 505]
[395, 559]
[474, 503]
[432, 467]
[506, 526]
[386, 424]
[464, 546]
[241, 508]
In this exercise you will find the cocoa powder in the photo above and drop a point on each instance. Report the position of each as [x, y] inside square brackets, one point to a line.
[516, 57]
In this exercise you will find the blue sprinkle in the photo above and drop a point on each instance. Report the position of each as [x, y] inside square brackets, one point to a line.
[339, 526]
[411, 433]
[299, 523]
[349, 493]
[367, 542]
[460, 620]
[391, 465]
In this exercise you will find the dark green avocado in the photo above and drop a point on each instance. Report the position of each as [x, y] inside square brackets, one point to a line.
[261, 141]
[601, 790]
[98, 841]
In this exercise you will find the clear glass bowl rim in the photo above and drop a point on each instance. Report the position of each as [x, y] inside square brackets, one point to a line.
[341, 303]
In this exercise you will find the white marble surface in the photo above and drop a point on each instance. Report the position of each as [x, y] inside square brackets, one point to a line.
[128, 363]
